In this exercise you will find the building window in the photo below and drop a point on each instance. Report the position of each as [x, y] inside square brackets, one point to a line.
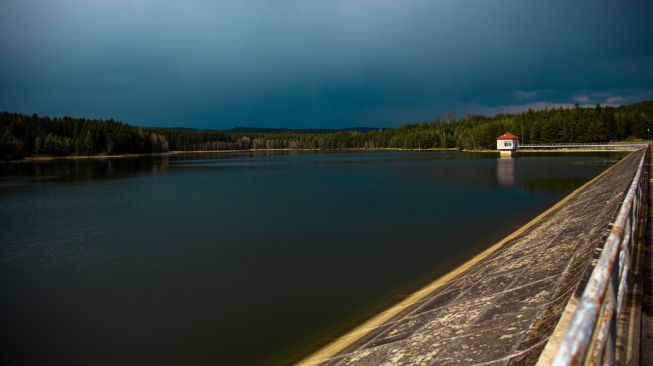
[507, 143]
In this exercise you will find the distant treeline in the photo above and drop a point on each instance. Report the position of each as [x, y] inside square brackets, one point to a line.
[22, 135]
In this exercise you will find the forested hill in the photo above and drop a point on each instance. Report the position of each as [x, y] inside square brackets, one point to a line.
[23, 135]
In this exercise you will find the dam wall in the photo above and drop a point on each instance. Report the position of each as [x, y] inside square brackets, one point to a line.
[502, 306]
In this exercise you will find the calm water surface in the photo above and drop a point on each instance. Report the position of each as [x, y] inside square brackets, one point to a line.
[243, 258]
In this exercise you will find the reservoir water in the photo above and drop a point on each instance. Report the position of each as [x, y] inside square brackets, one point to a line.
[244, 258]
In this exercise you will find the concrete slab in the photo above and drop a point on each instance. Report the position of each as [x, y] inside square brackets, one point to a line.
[502, 306]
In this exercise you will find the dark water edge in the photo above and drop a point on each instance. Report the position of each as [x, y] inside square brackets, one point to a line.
[244, 258]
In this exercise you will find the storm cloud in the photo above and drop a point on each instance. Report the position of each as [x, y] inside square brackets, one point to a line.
[307, 63]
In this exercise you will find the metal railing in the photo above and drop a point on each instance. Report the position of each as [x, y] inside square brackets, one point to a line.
[606, 146]
[591, 336]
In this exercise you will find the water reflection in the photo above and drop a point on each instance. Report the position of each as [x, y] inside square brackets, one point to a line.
[551, 172]
[80, 170]
[506, 172]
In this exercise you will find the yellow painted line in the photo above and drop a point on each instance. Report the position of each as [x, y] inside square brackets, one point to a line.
[333, 348]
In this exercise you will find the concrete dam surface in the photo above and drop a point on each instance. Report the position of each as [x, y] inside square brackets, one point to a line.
[501, 307]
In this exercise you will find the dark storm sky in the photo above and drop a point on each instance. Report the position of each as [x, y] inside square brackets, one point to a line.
[327, 63]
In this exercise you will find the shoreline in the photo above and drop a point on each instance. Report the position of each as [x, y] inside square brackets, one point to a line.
[44, 158]
[30, 159]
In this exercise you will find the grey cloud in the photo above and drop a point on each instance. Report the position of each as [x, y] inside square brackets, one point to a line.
[293, 63]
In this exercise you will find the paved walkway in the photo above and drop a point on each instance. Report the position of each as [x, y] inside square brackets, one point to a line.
[502, 309]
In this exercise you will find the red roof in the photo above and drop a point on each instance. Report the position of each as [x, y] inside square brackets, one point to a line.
[507, 136]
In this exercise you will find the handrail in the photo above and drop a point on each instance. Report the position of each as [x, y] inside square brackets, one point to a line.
[562, 145]
[591, 336]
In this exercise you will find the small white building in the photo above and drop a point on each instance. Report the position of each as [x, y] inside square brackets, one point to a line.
[507, 144]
